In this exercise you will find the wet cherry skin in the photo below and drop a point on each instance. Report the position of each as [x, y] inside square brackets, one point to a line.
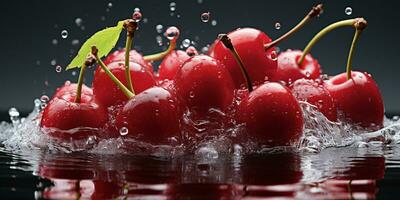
[249, 43]
[62, 115]
[203, 83]
[134, 56]
[289, 70]
[315, 93]
[171, 64]
[271, 115]
[107, 93]
[151, 116]
[358, 98]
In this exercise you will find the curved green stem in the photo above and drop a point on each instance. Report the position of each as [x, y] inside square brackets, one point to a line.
[80, 83]
[351, 53]
[228, 44]
[161, 55]
[129, 41]
[121, 86]
[315, 11]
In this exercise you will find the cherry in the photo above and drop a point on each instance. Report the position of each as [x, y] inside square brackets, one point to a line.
[134, 56]
[62, 116]
[289, 70]
[256, 50]
[73, 115]
[173, 61]
[151, 116]
[355, 94]
[315, 93]
[358, 98]
[107, 93]
[270, 113]
[203, 83]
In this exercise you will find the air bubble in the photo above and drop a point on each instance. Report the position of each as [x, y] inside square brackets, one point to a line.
[205, 17]
[123, 131]
[159, 28]
[64, 34]
[348, 10]
[58, 68]
[186, 43]
[172, 6]
[172, 33]
[277, 25]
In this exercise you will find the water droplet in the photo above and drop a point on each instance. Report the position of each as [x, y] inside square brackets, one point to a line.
[204, 49]
[53, 62]
[191, 51]
[123, 131]
[109, 4]
[78, 21]
[145, 20]
[64, 34]
[199, 1]
[205, 17]
[13, 112]
[186, 43]
[58, 68]
[137, 16]
[172, 6]
[308, 74]
[159, 28]
[43, 106]
[37, 103]
[214, 22]
[54, 41]
[348, 10]
[159, 40]
[274, 55]
[136, 10]
[44, 98]
[75, 42]
[191, 94]
[277, 25]
[73, 73]
[172, 33]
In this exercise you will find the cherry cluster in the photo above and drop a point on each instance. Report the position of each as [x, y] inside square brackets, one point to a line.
[242, 76]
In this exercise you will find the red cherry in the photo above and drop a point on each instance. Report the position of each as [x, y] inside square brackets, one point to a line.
[62, 116]
[315, 93]
[289, 70]
[203, 83]
[358, 98]
[70, 88]
[151, 116]
[134, 56]
[271, 115]
[171, 63]
[250, 45]
[107, 93]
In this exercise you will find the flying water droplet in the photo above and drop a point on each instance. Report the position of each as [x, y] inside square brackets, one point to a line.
[58, 68]
[214, 22]
[44, 98]
[205, 17]
[78, 21]
[191, 94]
[75, 42]
[64, 34]
[274, 56]
[159, 40]
[109, 4]
[191, 51]
[73, 73]
[277, 25]
[14, 115]
[172, 33]
[204, 49]
[137, 16]
[54, 41]
[123, 131]
[199, 1]
[308, 74]
[186, 43]
[136, 10]
[159, 28]
[348, 10]
[172, 6]
[53, 62]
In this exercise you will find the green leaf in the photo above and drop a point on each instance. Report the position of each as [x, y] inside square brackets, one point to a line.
[104, 40]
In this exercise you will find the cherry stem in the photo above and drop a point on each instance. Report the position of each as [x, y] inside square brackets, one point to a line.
[358, 23]
[228, 44]
[130, 26]
[121, 86]
[161, 55]
[315, 11]
[80, 83]
[351, 53]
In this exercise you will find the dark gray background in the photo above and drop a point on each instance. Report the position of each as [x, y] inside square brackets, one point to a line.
[28, 28]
